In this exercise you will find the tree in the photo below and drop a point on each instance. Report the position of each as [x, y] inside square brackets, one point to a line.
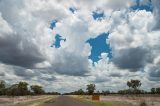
[158, 90]
[23, 88]
[37, 89]
[91, 88]
[105, 92]
[153, 90]
[135, 84]
[2, 84]
[2, 87]
[13, 90]
[129, 84]
[80, 92]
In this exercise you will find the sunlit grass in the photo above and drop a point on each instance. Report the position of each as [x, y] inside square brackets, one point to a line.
[100, 103]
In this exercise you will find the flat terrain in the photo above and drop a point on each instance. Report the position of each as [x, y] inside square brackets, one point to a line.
[23, 100]
[67, 101]
[150, 100]
[123, 100]
[81, 100]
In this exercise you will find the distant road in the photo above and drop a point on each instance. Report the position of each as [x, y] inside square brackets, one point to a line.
[67, 101]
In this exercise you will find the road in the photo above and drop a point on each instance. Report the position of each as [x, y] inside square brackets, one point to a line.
[67, 101]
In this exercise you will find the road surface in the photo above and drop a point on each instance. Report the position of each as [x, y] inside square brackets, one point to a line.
[67, 101]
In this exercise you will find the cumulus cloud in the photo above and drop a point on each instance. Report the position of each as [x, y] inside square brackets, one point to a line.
[30, 38]
[15, 49]
[132, 58]
[156, 4]
[127, 41]
[71, 64]
[25, 73]
[155, 72]
[26, 39]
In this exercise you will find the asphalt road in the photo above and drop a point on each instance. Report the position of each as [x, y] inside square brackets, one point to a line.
[67, 101]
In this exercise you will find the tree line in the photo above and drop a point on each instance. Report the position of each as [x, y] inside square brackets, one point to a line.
[133, 88]
[22, 89]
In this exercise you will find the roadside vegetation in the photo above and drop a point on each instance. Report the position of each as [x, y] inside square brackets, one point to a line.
[126, 97]
[38, 102]
[87, 99]
[22, 89]
[133, 96]
[133, 88]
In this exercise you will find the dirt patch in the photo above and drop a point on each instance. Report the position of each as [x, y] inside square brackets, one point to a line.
[11, 101]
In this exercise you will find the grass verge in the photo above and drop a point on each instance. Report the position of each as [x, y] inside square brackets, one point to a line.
[101, 103]
[39, 102]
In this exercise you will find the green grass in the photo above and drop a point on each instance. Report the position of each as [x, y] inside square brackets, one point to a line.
[101, 103]
[110, 103]
[36, 103]
[97, 103]
[30, 104]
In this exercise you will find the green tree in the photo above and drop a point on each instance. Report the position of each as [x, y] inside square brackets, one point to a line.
[129, 84]
[80, 92]
[2, 87]
[23, 88]
[91, 88]
[2, 84]
[135, 84]
[12, 90]
[37, 89]
[158, 90]
[153, 90]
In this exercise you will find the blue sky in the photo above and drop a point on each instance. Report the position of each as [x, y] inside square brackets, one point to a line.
[53, 24]
[99, 46]
[57, 43]
[147, 6]
[98, 14]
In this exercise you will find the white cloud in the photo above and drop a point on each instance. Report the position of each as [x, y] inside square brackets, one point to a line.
[25, 40]
[156, 4]
[5, 27]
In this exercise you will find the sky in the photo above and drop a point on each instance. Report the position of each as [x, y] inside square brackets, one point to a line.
[64, 45]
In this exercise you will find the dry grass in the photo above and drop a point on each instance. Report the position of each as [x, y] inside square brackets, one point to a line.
[18, 100]
[102, 102]
[141, 100]
[125, 100]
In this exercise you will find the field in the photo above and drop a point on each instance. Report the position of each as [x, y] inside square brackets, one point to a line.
[109, 100]
[123, 100]
[25, 100]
